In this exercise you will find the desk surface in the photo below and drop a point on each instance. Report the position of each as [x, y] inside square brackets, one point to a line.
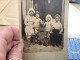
[9, 12]
[74, 32]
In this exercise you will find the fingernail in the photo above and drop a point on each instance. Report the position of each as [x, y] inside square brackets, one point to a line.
[20, 46]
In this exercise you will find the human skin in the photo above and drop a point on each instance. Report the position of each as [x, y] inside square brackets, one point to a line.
[9, 43]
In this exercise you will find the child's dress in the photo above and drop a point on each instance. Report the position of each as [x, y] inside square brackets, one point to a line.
[29, 21]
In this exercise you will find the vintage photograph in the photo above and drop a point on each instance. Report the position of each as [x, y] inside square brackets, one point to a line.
[42, 25]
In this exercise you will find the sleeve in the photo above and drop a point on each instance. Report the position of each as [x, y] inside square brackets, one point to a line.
[25, 21]
[34, 20]
[51, 25]
[33, 23]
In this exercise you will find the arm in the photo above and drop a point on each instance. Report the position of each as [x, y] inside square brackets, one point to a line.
[61, 29]
[51, 28]
[44, 24]
[33, 23]
[41, 21]
[25, 21]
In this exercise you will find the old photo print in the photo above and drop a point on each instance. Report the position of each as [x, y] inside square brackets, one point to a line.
[42, 25]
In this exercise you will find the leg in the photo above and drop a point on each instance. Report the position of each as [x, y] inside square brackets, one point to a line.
[29, 42]
[60, 39]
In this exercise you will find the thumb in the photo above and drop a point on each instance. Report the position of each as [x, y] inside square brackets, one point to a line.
[16, 51]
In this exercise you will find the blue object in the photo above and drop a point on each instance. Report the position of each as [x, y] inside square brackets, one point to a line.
[73, 48]
[73, 34]
[77, 1]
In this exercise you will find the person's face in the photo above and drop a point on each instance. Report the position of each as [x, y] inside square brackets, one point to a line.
[48, 19]
[57, 19]
[31, 13]
[37, 15]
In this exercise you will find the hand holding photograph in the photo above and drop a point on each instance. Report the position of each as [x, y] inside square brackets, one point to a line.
[43, 29]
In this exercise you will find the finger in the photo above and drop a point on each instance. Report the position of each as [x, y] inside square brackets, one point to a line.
[15, 33]
[16, 42]
[3, 49]
[9, 33]
[16, 51]
[13, 43]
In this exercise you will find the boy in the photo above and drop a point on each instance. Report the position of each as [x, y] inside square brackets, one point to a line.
[37, 24]
[57, 31]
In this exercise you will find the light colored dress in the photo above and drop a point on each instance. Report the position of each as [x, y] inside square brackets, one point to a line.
[29, 22]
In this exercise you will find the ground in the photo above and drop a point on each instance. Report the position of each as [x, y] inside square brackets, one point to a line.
[40, 48]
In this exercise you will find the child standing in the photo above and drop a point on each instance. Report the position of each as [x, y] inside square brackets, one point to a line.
[37, 24]
[48, 28]
[29, 22]
[57, 31]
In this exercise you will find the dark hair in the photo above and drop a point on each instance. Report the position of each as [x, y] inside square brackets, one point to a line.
[57, 15]
[37, 13]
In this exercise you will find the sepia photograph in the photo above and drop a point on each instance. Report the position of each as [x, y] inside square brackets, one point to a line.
[42, 25]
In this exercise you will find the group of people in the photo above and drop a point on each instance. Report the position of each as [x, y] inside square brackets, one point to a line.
[40, 32]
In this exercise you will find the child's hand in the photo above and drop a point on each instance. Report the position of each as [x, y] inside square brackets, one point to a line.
[51, 32]
[60, 33]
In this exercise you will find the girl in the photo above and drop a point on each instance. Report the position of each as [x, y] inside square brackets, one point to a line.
[29, 22]
[48, 28]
